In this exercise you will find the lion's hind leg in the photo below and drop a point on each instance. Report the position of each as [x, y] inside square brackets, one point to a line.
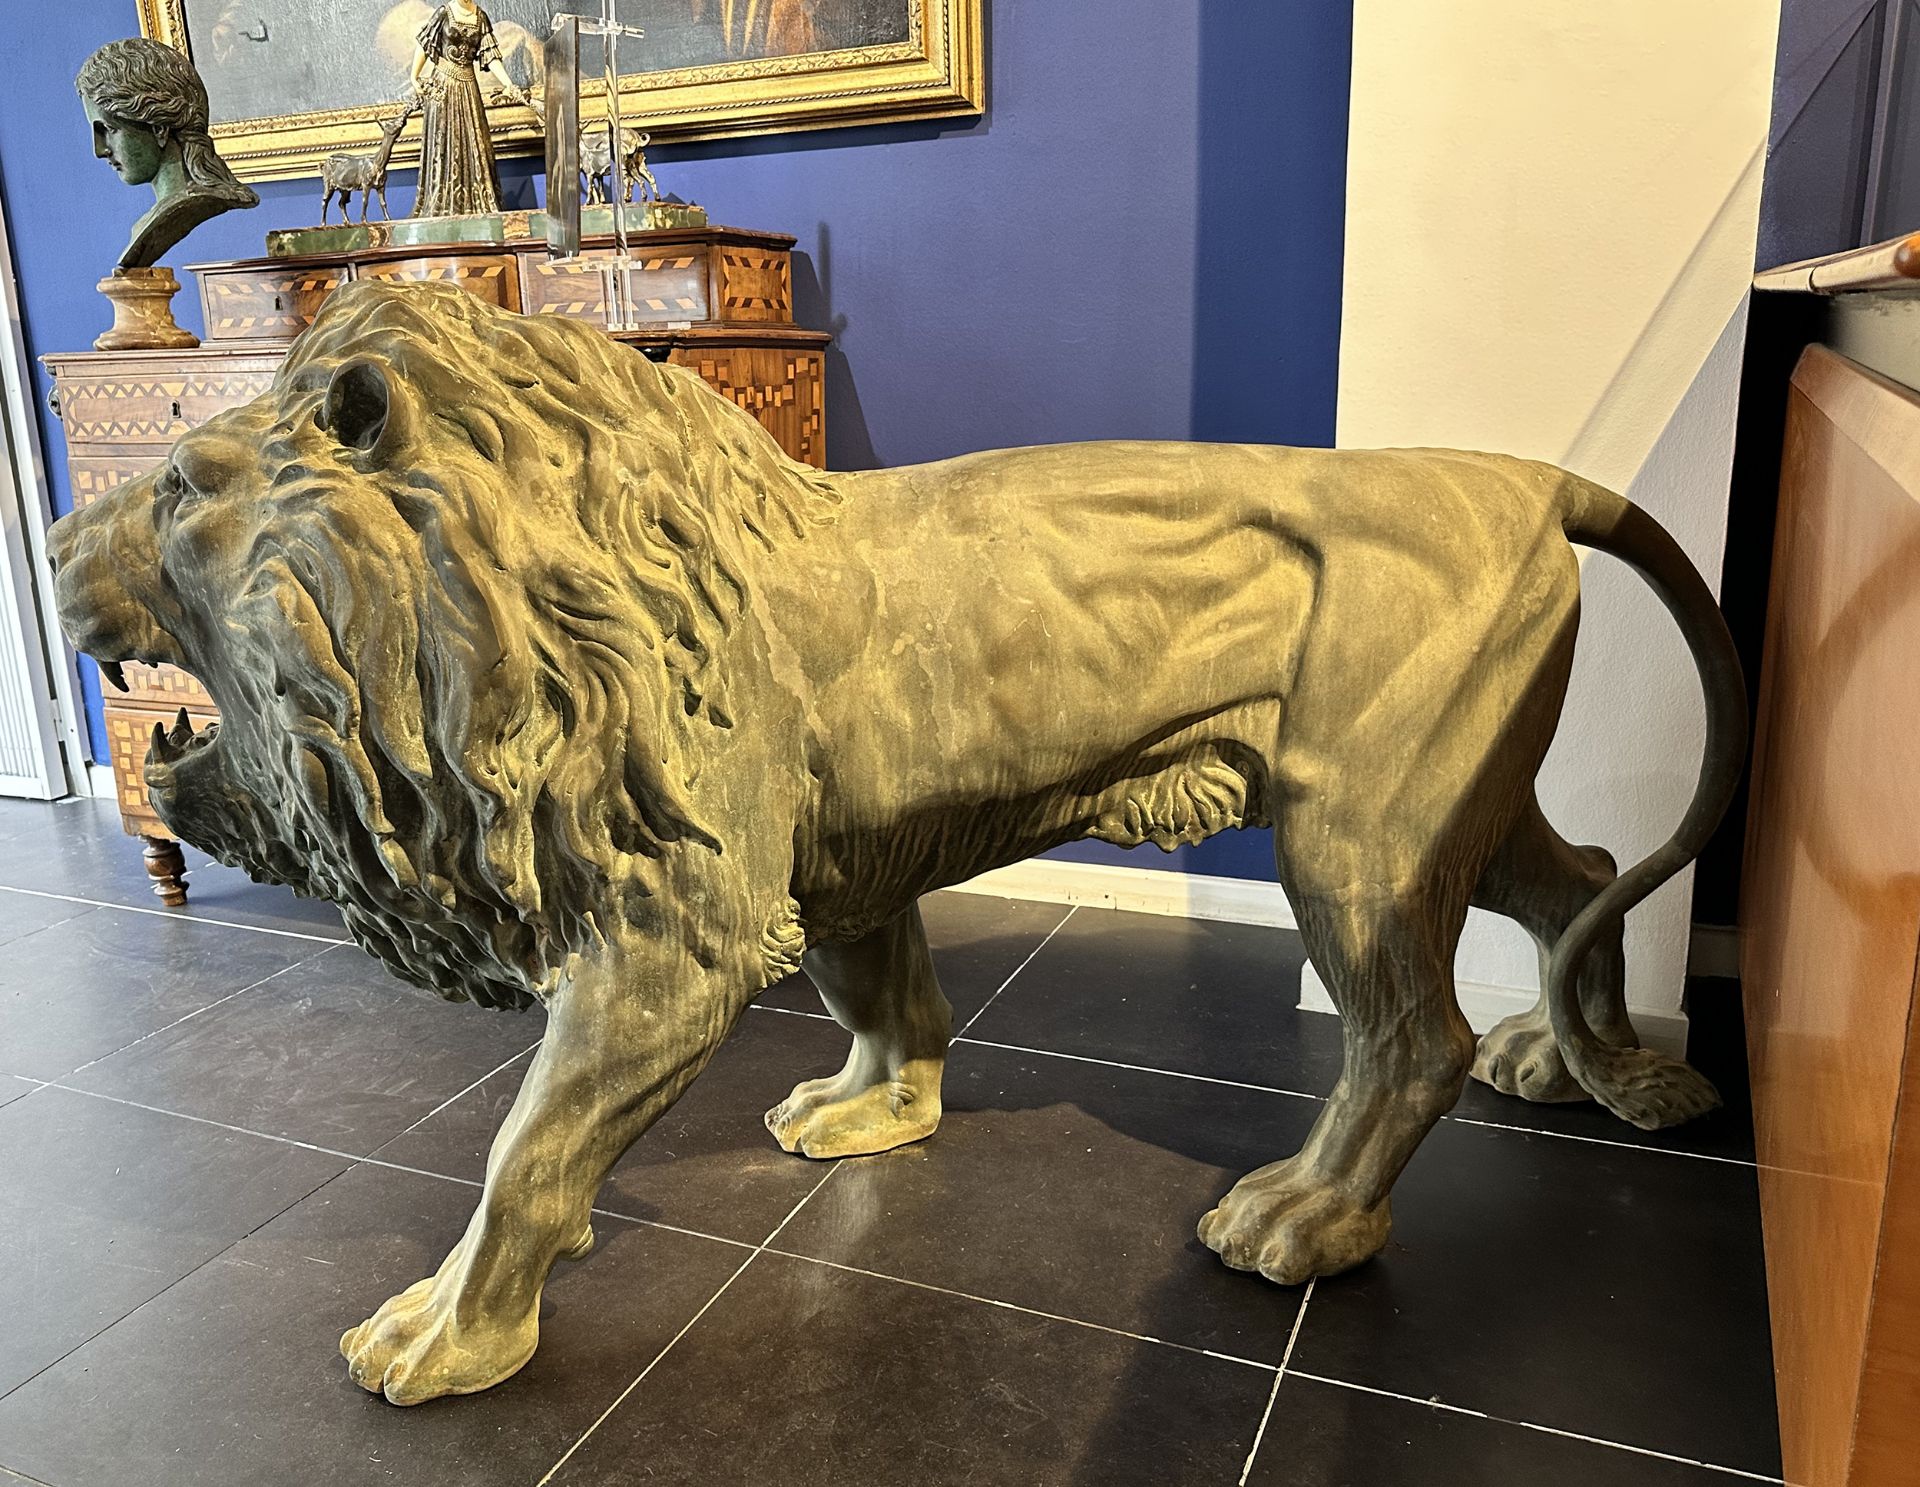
[1541, 881]
[881, 988]
[1385, 949]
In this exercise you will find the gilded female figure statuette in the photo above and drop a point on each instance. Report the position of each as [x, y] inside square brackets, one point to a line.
[456, 152]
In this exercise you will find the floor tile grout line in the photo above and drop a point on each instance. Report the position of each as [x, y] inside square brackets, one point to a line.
[461, 1095]
[627, 1218]
[1667, 1151]
[175, 914]
[640, 1378]
[1573, 1435]
[335, 942]
[1110, 1063]
[790, 1012]
[24, 1476]
[805, 1199]
[1079, 1058]
[1279, 1377]
[221, 1125]
[691, 1322]
[765, 1246]
[370, 1159]
[1050, 1316]
[197, 1011]
[1299, 1094]
[353, 1163]
[217, 1254]
[981, 1011]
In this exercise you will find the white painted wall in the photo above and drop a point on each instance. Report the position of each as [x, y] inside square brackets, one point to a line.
[1551, 220]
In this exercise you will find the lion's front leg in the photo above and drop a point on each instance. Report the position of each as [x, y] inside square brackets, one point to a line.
[620, 1047]
[881, 988]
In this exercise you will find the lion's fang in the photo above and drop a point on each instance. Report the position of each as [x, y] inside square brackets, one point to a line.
[113, 672]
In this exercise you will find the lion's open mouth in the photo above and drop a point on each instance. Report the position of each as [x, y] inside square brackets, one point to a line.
[169, 746]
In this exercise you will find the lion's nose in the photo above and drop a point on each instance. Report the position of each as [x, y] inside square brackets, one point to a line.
[60, 540]
[208, 462]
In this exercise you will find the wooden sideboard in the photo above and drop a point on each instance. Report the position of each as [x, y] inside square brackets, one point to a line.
[716, 300]
[1830, 901]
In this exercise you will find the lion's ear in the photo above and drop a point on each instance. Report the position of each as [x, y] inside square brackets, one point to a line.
[358, 404]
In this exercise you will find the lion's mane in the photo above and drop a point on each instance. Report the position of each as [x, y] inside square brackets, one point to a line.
[471, 679]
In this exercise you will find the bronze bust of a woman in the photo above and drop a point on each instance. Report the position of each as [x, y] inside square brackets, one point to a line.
[456, 151]
[148, 109]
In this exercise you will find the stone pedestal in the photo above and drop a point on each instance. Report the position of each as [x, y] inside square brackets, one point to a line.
[142, 301]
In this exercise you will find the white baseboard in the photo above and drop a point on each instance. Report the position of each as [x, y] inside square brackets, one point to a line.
[1243, 901]
[100, 782]
[1139, 889]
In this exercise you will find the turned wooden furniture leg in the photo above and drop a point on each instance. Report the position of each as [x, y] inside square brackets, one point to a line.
[167, 866]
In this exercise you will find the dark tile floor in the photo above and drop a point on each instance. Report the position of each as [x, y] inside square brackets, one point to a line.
[225, 1137]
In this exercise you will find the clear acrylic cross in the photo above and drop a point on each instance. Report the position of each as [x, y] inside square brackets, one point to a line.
[619, 269]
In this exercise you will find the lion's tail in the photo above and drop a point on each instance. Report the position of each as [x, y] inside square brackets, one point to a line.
[1647, 1088]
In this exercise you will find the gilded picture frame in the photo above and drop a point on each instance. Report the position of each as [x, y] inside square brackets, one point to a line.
[919, 59]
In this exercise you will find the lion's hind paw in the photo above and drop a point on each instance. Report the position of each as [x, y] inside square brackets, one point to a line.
[1518, 1056]
[1651, 1090]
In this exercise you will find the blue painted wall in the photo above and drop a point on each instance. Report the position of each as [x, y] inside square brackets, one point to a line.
[1141, 239]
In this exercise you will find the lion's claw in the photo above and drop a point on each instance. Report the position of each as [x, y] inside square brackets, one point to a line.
[836, 1118]
[1291, 1226]
[413, 1349]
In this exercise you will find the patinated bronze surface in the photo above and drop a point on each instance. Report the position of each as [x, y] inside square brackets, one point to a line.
[148, 109]
[546, 665]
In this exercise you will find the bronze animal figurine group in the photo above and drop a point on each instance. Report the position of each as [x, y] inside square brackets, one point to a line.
[596, 163]
[342, 175]
[546, 665]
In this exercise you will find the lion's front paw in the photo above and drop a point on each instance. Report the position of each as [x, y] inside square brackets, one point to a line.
[413, 1349]
[838, 1118]
[1290, 1225]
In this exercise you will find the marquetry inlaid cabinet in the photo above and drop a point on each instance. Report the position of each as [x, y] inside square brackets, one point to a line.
[717, 300]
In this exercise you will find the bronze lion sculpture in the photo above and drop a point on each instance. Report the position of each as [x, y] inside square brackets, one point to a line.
[545, 664]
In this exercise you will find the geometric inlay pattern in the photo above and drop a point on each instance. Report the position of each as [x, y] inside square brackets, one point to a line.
[579, 287]
[761, 285]
[151, 411]
[240, 307]
[783, 391]
[487, 281]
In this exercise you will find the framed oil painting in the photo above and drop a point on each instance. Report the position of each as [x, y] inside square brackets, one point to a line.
[291, 81]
